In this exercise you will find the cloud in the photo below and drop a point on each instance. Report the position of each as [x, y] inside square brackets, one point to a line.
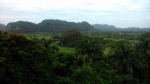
[93, 11]
[37, 5]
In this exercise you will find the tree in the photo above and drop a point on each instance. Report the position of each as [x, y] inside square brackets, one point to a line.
[22, 60]
[125, 59]
[143, 48]
[89, 49]
[86, 75]
[70, 37]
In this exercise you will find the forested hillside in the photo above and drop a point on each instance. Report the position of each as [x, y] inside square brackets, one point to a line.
[106, 27]
[21, 27]
[59, 26]
[47, 26]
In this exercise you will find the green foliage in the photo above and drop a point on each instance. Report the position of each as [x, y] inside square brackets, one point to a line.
[89, 49]
[143, 49]
[86, 75]
[126, 61]
[146, 35]
[22, 60]
[125, 79]
[42, 61]
[38, 35]
[66, 49]
[70, 37]
[56, 37]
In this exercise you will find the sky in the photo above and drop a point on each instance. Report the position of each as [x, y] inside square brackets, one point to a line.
[121, 13]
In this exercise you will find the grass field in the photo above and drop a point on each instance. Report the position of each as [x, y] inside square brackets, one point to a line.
[39, 35]
[66, 49]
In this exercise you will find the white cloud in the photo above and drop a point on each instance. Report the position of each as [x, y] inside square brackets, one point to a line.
[75, 10]
[35, 5]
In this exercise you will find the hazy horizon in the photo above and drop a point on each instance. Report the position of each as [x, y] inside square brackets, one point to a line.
[120, 13]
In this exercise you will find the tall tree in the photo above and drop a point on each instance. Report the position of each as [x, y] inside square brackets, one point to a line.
[89, 49]
[125, 59]
[143, 48]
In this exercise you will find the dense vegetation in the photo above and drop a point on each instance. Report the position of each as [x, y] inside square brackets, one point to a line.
[75, 57]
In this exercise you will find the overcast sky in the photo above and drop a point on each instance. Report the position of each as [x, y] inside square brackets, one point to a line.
[121, 13]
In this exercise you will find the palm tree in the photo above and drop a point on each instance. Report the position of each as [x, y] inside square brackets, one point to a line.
[47, 44]
[125, 59]
[88, 49]
[143, 47]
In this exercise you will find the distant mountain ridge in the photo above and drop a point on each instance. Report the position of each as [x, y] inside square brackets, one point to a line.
[21, 27]
[106, 27]
[59, 26]
[2, 26]
[52, 25]
[48, 25]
